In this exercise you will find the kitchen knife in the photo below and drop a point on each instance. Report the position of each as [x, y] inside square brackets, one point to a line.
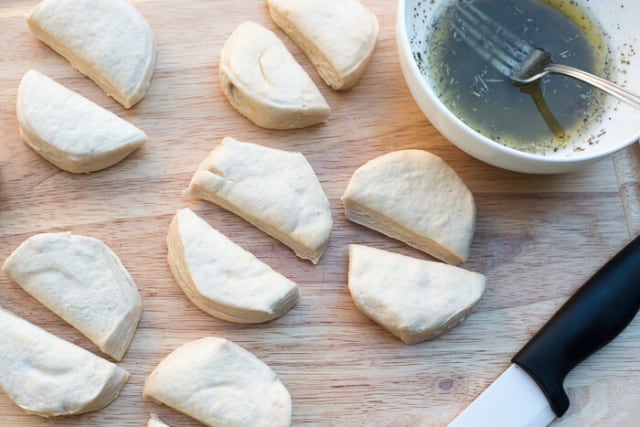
[530, 392]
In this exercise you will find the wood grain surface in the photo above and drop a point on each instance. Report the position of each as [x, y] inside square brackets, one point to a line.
[538, 237]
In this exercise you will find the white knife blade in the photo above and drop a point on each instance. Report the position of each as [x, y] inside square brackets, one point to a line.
[530, 393]
[515, 397]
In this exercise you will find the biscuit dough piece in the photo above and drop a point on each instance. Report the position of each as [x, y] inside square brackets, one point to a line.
[338, 36]
[154, 421]
[48, 376]
[221, 278]
[219, 383]
[81, 280]
[415, 197]
[107, 40]
[414, 299]
[263, 81]
[275, 190]
[69, 130]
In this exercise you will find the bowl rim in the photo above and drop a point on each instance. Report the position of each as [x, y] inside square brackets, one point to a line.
[403, 37]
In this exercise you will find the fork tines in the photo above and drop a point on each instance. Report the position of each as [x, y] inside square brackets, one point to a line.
[500, 47]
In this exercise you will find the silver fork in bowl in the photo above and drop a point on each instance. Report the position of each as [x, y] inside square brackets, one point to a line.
[516, 59]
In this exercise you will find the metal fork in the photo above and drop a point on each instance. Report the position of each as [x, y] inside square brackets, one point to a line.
[515, 58]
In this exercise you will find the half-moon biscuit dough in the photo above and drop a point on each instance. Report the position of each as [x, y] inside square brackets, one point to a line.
[263, 81]
[69, 130]
[219, 383]
[81, 280]
[415, 197]
[275, 190]
[414, 299]
[48, 376]
[221, 278]
[338, 36]
[107, 40]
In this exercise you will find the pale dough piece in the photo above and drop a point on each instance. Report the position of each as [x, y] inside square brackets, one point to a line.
[69, 130]
[48, 376]
[415, 197]
[275, 190]
[81, 280]
[219, 383]
[263, 81]
[414, 299]
[338, 36]
[221, 278]
[107, 40]
[154, 421]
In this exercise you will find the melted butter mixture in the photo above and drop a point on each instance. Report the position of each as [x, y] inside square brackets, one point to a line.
[536, 118]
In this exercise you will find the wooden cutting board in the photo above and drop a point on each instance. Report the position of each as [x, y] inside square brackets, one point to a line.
[538, 237]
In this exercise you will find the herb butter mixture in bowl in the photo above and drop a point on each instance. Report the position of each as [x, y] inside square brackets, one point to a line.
[556, 125]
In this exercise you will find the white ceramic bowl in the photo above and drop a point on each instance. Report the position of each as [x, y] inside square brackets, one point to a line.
[620, 122]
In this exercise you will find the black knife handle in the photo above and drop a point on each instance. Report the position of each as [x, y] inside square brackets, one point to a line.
[592, 317]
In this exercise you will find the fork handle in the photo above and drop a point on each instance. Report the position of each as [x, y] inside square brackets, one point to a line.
[595, 81]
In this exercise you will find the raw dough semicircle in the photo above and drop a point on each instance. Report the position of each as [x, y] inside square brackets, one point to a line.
[109, 41]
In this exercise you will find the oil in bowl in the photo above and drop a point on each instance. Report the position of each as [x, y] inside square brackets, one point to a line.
[535, 118]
